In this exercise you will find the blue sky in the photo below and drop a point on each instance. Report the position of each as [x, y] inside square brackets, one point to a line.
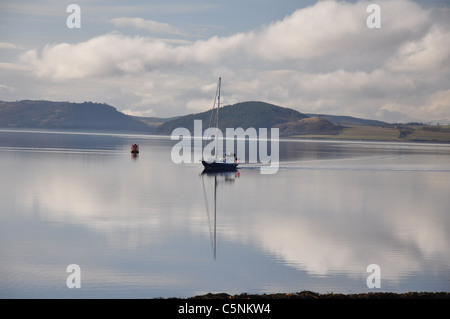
[163, 58]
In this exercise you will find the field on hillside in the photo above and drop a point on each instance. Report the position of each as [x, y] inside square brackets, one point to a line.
[376, 133]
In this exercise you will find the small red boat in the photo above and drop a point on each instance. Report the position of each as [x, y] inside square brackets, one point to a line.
[135, 149]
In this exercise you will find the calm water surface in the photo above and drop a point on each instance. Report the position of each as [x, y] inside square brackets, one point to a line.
[145, 227]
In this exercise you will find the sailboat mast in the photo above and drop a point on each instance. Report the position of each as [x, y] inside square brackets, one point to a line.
[217, 115]
[218, 104]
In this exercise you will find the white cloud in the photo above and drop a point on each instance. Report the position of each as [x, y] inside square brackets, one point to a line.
[322, 58]
[429, 54]
[326, 31]
[7, 45]
[105, 55]
[312, 32]
[148, 25]
[438, 105]
[14, 66]
[6, 88]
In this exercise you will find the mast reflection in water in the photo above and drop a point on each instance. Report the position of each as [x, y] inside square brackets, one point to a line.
[216, 177]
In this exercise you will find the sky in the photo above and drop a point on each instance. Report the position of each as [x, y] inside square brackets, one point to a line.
[164, 58]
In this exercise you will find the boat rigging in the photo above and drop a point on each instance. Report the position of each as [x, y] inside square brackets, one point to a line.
[229, 162]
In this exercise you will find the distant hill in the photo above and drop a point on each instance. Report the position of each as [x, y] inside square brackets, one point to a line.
[97, 117]
[154, 122]
[67, 116]
[309, 126]
[246, 114]
[350, 120]
[102, 117]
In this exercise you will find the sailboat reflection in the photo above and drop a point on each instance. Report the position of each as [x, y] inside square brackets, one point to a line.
[216, 177]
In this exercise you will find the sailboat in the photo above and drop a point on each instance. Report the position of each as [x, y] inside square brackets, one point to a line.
[229, 162]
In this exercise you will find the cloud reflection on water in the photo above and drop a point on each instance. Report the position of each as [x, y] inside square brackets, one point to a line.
[318, 222]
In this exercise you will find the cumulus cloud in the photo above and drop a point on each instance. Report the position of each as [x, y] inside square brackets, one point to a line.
[7, 45]
[429, 54]
[330, 32]
[322, 58]
[113, 54]
[100, 56]
[149, 25]
[6, 88]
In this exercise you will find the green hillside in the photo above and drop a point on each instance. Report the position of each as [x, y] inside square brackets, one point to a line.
[245, 115]
[350, 120]
[97, 117]
[309, 126]
[67, 116]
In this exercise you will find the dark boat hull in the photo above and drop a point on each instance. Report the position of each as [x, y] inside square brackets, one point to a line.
[218, 166]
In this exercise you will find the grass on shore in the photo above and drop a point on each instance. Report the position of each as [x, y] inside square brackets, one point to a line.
[377, 133]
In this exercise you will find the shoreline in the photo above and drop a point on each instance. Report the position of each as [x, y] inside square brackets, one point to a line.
[314, 295]
[355, 134]
[320, 138]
